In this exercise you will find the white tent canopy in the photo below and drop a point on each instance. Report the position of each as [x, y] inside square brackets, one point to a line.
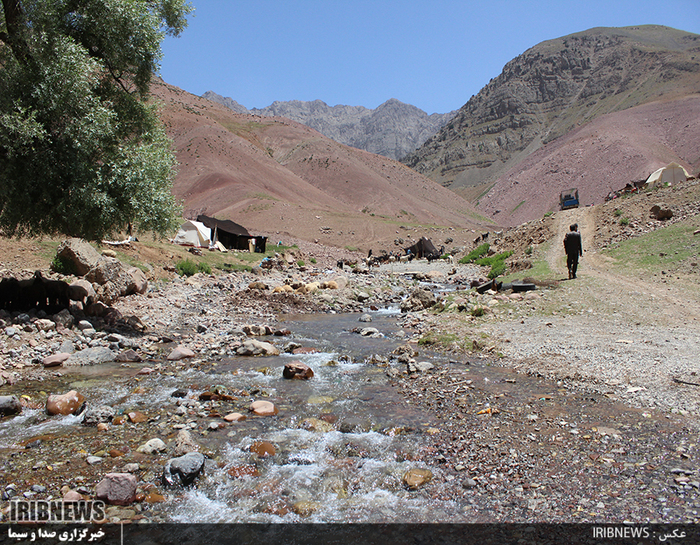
[670, 174]
[193, 233]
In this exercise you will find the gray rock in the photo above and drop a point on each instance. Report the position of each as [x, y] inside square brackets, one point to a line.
[91, 356]
[365, 318]
[419, 299]
[183, 470]
[10, 405]
[78, 252]
[153, 446]
[98, 415]
[185, 443]
[253, 347]
[420, 367]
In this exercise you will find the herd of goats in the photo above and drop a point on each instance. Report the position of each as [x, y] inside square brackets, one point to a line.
[38, 293]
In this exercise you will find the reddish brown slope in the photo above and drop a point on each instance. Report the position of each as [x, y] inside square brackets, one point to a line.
[603, 155]
[276, 176]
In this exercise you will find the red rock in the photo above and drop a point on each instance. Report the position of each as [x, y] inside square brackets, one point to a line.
[117, 488]
[179, 353]
[136, 417]
[63, 404]
[55, 360]
[128, 355]
[297, 370]
[263, 449]
[154, 497]
[72, 495]
[304, 350]
[263, 408]
[235, 417]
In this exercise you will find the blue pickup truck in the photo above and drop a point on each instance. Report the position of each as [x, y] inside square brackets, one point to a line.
[568, 199]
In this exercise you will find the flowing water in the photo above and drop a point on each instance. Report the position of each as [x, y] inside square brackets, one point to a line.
[342, 440]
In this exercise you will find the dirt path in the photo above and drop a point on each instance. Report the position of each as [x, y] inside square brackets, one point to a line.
[638, 295]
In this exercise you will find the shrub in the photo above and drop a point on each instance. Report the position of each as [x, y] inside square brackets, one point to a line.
[63, 265]
[204, 268]
[313, 260]
[496, 262]
[186, 267]
[624, 221]
[475, 254]
[618, 212]
[300, 263]
[528, 250]
[478, 311]
[497, 269]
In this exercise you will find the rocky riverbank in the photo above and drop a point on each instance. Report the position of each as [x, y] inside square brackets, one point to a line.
[596, 441]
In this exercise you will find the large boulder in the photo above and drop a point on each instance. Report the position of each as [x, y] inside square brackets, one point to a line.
[91, 356]
[419, 299]
[79, 253]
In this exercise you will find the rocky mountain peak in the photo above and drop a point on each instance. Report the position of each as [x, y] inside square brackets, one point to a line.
[393, 129]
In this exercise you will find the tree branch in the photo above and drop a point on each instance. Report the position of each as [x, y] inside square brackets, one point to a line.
[14, 14]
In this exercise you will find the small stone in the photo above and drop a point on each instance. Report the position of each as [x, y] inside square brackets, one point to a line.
[117, 488]
[414, 478]
[10, 405]
[136, 417]
[152, 446]
[55, 360]
[468, 483]
[297, 370]
[365, 318]
[263, 449]
[179, 353]
[263, 408]
[183, 470]
[235, 417]
[64, 404]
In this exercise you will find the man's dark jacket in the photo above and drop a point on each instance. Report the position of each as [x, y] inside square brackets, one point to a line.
[572, 243]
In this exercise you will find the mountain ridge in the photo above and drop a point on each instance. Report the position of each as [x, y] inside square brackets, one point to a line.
[552, 89]
[392, 129]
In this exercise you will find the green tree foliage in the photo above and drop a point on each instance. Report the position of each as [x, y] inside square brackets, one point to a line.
[82, 150]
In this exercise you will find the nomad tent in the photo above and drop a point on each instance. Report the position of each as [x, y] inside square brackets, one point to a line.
[193, 233]
[671, 174]
[423, 248]
[232, 235]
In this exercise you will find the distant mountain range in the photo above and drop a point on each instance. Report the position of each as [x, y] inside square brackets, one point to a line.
[593, 110]
[393, 129]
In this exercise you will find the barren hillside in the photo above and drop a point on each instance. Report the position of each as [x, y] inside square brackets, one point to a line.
[276, 176]
[600, 157]
[566, 113]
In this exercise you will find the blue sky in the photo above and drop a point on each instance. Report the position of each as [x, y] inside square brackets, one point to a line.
[434, 54]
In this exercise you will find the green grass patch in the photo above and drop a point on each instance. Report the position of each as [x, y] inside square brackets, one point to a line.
[475, 254]
[497, 263]
[653, 252]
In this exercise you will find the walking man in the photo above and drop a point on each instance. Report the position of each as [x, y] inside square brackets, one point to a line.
[573, 248]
